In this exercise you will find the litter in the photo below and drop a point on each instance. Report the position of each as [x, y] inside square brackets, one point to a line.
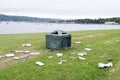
[102, 65]
[9, 55]
[88, 49]
[63, 60]
[24, 56]
[50, 57]
[81, 58]
[21, 51]
[39, 63]
[2, 57]
[82, 54]
[60, 62]
[16, 58]
[35, 53]
[78, 42]
[59, 54]
[27, 45]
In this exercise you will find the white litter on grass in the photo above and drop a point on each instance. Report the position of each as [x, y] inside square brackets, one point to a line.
[21, 51]
[78, 42]
[39, 63]
[62, 61]
[2, 57]
[72, 57]
[35, 53]
[24, 56]
[81, 58]
[102, 65]
[27, 45]
[82, 54]
[16, 58]
[88, 49]
[50, 57]
[59, 54]
[9, 55]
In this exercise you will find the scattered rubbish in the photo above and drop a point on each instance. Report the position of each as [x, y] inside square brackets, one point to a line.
[82, 54]
[35, 53]
[16, 58]
[24, 56]
[108, 42]
[102, 65]
[50, 57]
[2, 57]
[9, 55]
[63, 60]
[59, 54]
[81, 58]
[78, 42]
[88, 49]
[27, 45]
[39, 63]
[21, 51]
[60, 62]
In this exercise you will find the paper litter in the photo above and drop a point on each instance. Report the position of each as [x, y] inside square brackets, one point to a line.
[35, 53]
[78, 42]
[81, 58]
[82, 54]
[50, 57]
[27, 45]
[9, 55]
[88, 49]
[59, 54]
[102, 65]
[39, 63]
[16, 58]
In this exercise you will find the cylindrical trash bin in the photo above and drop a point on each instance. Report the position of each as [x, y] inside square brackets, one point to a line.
[58, 40]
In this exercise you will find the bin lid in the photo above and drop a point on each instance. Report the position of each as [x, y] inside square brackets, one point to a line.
[59, 32]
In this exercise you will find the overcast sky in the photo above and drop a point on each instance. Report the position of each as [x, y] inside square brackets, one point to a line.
[67, 9]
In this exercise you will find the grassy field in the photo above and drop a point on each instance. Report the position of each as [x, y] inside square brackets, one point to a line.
[105, 44]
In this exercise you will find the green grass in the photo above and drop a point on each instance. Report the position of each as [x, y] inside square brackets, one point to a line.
[71, 70]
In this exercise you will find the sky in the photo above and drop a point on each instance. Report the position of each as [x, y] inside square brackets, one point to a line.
[65, 9]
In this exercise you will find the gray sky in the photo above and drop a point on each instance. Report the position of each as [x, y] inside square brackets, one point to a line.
[67, 9]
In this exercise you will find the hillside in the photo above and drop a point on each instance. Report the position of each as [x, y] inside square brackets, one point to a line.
[26, 19]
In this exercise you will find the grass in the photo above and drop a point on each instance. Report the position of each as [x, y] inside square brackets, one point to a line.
[71, 70]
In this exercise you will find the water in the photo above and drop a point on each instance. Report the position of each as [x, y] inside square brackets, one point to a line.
[23, 27]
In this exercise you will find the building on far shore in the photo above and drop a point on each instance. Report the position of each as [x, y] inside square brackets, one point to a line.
[111, 23]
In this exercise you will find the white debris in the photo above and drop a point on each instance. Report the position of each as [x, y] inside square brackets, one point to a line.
[16, 58]
[78, 42]
[39, 63]
[59, 54]
[82, 54]
[35, 53]
[81, 58]
[72, 57]
[102, 65]
[27, 45]
[21, 51]
[24, 56]
[9, 55]
[50, 57]
[60, 62]
[88, 49]
[63, 60]
[2, 57]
